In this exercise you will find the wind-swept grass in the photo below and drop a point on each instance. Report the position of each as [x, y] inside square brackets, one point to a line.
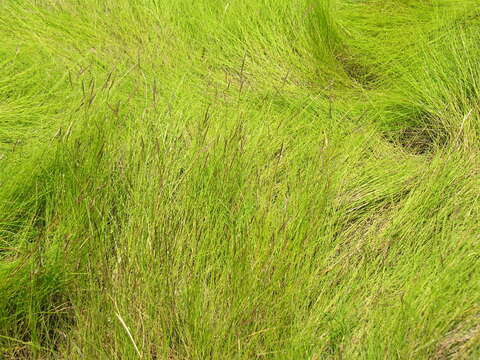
[239, 179]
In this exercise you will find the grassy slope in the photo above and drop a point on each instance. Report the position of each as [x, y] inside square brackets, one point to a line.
[239, 179]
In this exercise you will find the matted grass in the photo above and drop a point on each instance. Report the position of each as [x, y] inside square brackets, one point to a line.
[239, 179]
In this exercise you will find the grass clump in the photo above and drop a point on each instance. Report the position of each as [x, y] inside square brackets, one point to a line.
[239, 180]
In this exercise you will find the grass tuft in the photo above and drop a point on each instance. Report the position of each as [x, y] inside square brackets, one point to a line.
[239, 179]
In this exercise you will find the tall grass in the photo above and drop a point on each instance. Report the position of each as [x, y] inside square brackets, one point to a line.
[239, 179]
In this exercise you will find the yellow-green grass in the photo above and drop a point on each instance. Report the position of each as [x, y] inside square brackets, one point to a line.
[256, 179]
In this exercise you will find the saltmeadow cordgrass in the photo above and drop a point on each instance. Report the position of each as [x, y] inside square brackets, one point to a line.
[239, 179]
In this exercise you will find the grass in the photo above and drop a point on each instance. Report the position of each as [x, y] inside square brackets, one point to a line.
[239, 179]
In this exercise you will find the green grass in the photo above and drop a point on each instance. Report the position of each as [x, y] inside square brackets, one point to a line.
[256, 179]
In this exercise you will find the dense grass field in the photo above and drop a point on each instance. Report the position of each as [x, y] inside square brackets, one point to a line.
[240, 179]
